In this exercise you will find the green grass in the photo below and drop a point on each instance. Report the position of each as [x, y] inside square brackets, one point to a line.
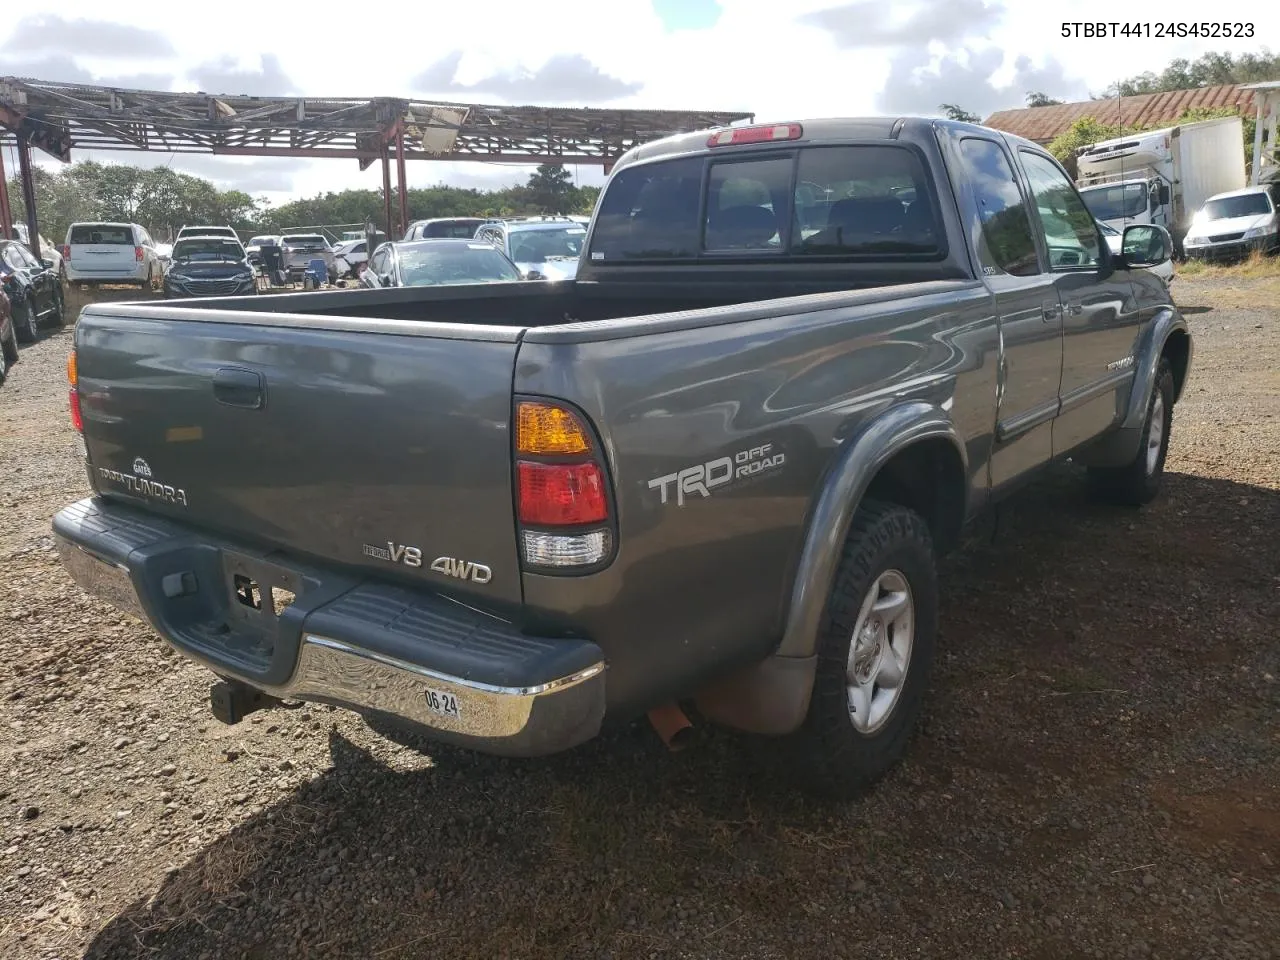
[1256, 267]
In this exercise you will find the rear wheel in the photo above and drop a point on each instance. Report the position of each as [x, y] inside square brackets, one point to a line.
[24, 322]
[875, 651]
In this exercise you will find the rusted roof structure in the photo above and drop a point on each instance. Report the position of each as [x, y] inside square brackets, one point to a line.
[60, 116]
[1148, 110]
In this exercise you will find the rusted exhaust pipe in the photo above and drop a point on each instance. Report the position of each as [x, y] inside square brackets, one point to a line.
[671, 725]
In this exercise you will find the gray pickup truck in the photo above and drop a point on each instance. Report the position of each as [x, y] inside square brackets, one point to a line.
[711, 475]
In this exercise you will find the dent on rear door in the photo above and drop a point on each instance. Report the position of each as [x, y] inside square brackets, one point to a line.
[718, 440]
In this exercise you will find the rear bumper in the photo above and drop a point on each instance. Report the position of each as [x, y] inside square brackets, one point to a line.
[470, 679]
[135, 274]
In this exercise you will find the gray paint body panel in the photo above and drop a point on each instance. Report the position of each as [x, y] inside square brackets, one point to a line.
[387, 415]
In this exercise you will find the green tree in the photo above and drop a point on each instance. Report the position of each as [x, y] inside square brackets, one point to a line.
[550, 188]
[1210, 69]
[954, 112]
[1083, 132]
[1036, 99]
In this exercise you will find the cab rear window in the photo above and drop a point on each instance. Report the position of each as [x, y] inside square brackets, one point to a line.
[102, 233]
[864, 201]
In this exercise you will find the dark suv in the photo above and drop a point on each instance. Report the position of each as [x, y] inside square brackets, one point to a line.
[211, 266]
[33, 288]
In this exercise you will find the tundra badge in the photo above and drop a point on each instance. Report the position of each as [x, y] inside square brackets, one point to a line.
[395, 553]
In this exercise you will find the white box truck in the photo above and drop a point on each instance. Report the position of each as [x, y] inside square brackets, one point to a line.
[1162, 176]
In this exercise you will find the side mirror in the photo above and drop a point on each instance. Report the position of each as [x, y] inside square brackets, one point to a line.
[534, 275]
[1145, 245]
[48, 264]
[1162, 193]
[384, 280]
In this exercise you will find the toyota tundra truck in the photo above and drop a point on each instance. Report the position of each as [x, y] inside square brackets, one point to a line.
[711, 475]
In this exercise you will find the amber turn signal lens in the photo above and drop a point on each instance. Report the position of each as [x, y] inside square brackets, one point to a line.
[542, 428]
[71, 368]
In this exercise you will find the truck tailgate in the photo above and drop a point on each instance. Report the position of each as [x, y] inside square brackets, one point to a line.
[375, 445]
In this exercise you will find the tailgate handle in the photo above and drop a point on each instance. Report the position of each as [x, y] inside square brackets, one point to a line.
[238, 387]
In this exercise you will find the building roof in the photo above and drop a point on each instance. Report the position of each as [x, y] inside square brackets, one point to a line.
[1148, 110]
[60, 116]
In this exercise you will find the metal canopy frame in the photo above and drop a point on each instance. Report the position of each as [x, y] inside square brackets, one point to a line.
[58, 117]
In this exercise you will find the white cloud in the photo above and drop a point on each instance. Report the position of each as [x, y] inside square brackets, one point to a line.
[807, 58]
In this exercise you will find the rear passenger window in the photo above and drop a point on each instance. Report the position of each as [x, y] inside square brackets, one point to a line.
[650, 212]
[862, 200]
[748, 204]
[1008, 244]
[102, 233]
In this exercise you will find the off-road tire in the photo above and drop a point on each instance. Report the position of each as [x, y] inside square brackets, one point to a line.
[1138, 481]
[832, 757]
[25, 324]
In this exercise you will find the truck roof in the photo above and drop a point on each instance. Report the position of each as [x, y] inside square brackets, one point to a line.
[814, 129]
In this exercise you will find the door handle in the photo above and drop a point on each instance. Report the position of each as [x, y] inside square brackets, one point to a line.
[1075, 309]
[1052, 312]
[238, 387]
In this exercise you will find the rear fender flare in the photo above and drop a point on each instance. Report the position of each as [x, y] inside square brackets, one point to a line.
[772, 697]
[846, 483]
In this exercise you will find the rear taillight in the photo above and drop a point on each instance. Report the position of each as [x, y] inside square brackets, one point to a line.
[562, 492]
[73, 377]
[137, 254]
[66, 251]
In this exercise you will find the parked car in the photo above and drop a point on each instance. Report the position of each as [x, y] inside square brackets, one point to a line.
[300, 249]
[48, 251]
[8, 337]
[1113, 237]
[199, 230]
[209, 267]
[113, 253]
[720, 465]
[426, 263]
[444, 228]
[33, 289]
[254, 247]
[348, 256]
[1234, 224]
[544, 248]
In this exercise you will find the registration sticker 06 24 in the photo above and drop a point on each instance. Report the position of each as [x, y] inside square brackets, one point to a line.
[443, 703]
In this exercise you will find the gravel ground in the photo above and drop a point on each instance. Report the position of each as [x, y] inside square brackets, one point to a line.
[1097, 774]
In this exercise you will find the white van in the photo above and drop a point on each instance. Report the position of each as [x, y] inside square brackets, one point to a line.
[121, 253]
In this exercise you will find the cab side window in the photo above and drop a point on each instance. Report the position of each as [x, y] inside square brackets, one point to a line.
[1070, 231]
[1008, 244]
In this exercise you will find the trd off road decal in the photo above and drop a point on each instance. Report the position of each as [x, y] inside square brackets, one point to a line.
[703, 478]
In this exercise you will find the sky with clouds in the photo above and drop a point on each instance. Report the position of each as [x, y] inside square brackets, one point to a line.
[809, 58]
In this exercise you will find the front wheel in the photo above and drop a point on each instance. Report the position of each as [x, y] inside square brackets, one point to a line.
[1138, 481]
[875, 652]
[24, 322]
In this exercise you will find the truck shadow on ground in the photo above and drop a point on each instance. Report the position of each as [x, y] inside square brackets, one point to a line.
[1022, 761]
